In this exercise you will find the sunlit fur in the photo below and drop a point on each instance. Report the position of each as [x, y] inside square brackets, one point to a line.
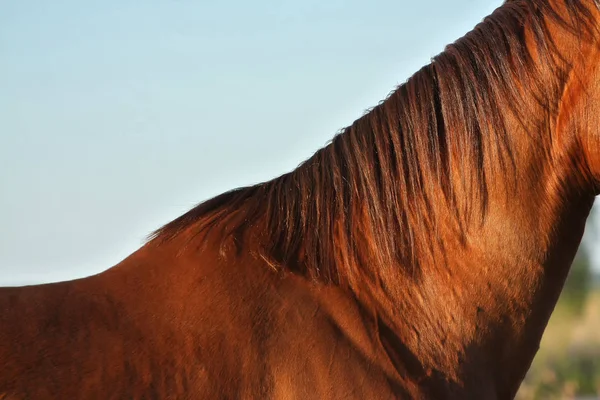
[431, 147]
[419, 255]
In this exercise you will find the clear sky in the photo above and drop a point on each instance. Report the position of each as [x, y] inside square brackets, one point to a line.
[118, 116]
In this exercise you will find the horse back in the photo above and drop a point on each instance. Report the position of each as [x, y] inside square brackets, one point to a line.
[158, 327]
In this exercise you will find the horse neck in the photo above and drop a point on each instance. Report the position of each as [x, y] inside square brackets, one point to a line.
[477, 317]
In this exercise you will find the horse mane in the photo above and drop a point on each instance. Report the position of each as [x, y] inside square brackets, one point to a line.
[370, 199]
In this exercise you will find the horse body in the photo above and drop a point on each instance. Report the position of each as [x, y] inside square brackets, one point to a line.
[222, 332]
[419, 255]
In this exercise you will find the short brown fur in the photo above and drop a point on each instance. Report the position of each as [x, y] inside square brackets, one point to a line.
[418, 255]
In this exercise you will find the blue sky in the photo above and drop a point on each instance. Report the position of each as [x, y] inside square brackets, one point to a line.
[117, 116]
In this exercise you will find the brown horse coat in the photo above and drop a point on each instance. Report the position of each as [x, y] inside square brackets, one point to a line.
[418, 256]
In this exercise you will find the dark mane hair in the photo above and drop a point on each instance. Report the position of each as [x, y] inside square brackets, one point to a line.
[383, 181]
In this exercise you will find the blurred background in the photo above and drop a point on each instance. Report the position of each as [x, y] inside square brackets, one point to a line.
[567, 366]
[118, 116]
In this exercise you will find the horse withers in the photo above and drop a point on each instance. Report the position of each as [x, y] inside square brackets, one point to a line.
[418, 256]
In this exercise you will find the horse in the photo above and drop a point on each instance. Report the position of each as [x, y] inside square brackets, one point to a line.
[418, 255]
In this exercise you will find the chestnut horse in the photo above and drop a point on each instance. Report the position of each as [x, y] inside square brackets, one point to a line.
[419, 255]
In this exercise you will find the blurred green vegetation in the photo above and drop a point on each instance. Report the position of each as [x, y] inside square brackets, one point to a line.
[567, 365]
